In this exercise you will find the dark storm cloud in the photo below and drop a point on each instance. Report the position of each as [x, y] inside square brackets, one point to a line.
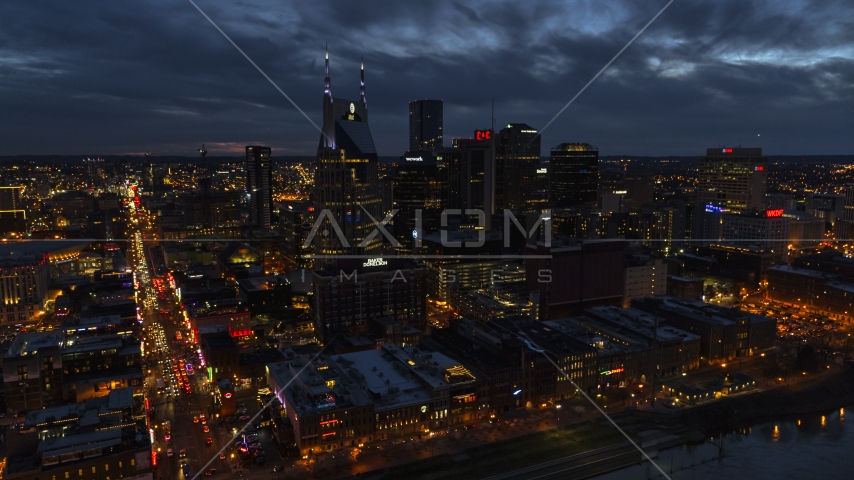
[116, 77]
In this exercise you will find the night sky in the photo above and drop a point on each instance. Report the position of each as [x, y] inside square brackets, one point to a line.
[106, 77]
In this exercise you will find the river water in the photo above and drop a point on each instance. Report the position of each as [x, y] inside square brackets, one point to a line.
[813, 447]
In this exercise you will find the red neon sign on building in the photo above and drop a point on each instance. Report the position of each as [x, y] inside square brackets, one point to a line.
[480, 135]
[774, 213]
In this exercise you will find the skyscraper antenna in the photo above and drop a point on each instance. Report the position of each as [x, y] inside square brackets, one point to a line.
[362, 86]
[327, 83]
[493, 116]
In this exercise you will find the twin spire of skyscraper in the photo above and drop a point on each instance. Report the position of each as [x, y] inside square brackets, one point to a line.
[327, 82]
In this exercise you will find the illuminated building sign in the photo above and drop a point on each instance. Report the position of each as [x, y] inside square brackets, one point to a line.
[727, 150]
[423, 408]
[542, 170]
[611, 372]
[467, 398]
[517, 392]
[482, 134]
[715, 208]
[374, 262]
[227, 395]
[759, 168]
[414, 159]
[777, 212]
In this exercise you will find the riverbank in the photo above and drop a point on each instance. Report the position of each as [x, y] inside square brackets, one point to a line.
[829, 392]
[551, 452]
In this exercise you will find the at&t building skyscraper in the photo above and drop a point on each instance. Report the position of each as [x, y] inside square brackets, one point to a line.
[346, 194]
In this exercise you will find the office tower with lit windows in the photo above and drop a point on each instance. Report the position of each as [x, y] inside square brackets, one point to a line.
[24, 280]
[13, 215]
[425, 125]
[573, 175]
[360, 290]
[466, 166]
[346, 193]
[517, 159]
[259, 185]
[733, 178]
[417, 189]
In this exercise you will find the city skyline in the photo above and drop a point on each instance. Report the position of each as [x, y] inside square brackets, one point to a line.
[760, 74]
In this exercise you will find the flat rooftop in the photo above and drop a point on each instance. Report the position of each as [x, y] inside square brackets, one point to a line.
[800, 271]
[640, 322]
[386, 380]
[29, 342]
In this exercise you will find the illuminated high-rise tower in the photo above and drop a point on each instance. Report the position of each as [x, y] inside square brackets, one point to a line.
[425, 125]
[346, 184]
[258, 185]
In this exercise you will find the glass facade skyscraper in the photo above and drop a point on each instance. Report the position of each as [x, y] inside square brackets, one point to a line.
[258, 185]
[573, 175]
[425, 125]
[346, 195]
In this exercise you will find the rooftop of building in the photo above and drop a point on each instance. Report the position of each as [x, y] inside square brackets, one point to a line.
[262, 356]
[30, 342]
[686, 279]
[463, 348]
[801, 271]
[219, 342]
[75, 344]
[387, 381]
[259, 284]
[606, 339]
[705, 312]
[86, 412]
[317, 388]
[45, 246]
[536, 334]
[640, 322]
[230, 306]
[86, 323]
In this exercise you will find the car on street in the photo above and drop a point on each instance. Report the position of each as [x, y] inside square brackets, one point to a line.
[209, 441]
[278, 468]
[222, 456]
[195, 419]
[244, 417]
[210, 472]
[169, 452]
[206, 429]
